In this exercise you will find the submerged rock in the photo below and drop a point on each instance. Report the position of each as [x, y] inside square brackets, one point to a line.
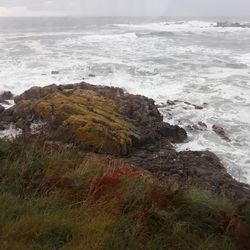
[174, 102]
[221, 132]
[200, 126]
[232, 25]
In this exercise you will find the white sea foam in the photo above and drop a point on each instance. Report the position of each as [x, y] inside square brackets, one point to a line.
[10, 133]
[8, 104]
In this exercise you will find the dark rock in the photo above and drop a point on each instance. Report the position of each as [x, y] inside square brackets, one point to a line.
[194, 105]
[36, 93]
[6, 95]
[174, 133]
[91, 75]
[200, 126]
[191, 168]
[2, 127]
[221, 132]
[198, 107]
[169, 102]
[232, 25]
[139, 110]
[1, 109]
[55, 72]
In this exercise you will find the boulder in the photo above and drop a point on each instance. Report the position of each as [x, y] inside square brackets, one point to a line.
[138, 110]
[1, 109]
[6, 95]
[36, 93]
[221, 132]
[85, 118]
[174, 133]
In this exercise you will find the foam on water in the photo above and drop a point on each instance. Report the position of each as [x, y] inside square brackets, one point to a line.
[10, 133]
[190, 61]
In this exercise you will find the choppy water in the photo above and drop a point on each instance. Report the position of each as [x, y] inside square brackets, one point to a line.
[189, 61]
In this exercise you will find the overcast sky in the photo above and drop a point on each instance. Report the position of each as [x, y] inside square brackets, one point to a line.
[125, 7]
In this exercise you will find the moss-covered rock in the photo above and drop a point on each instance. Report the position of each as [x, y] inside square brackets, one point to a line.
[102, 118]
[88, 119]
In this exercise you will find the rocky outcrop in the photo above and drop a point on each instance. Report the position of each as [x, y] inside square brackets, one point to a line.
[89, 120]
[221, 133]
[36, 93]
[1, 109]
[129, 127]
[96, 118]
[6, 95]
[190, 168]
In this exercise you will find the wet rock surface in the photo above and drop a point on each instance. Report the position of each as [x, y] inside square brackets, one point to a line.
[129, 127]
[221, 133]
[190, 168]
[175, 102]
[141, 110]
[1, 109]
[98, 117]
[6, 95]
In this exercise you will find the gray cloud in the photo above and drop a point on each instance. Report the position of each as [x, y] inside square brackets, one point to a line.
[134, 7]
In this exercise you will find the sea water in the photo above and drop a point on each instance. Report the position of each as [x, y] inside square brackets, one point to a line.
[187, 60]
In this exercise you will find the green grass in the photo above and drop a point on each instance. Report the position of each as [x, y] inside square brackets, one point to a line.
[70, 200]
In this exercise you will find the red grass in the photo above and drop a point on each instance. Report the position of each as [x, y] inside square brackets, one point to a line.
[139, 215]
[159, 198]
[238, 228]
[110, 182]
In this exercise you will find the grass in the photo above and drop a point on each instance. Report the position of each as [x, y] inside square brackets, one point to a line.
[70, 200]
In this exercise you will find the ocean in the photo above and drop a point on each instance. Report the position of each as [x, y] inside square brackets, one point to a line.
[165, 59]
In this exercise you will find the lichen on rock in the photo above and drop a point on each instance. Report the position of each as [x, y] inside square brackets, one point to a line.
[91, 120]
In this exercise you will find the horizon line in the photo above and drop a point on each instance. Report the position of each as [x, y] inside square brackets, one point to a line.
[134, 16]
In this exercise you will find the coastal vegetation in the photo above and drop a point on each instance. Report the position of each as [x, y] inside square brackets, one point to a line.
[95, 168]
[66, 199]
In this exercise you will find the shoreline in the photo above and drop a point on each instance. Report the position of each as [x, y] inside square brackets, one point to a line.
[153, 150]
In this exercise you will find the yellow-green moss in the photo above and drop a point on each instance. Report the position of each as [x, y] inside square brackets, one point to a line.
[93, 120]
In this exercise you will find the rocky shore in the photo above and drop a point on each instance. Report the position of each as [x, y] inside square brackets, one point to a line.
[123, 126]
